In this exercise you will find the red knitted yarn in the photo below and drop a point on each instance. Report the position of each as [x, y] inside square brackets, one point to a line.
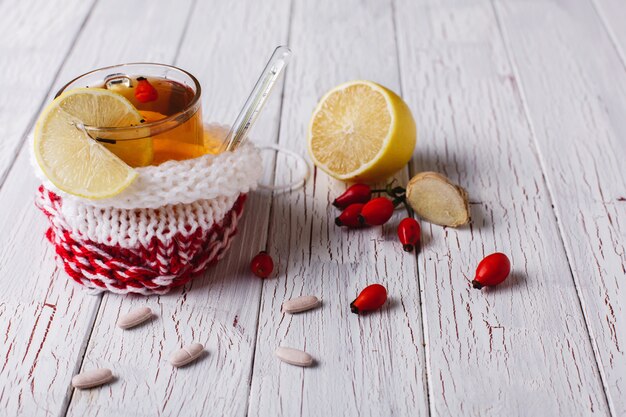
[152, 269]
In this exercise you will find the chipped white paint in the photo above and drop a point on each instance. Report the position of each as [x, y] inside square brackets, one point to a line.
[574, 85]
[45, 320]
[371, 365]
[518, 101]
[35, 38]
[521, 348]
[218, 310]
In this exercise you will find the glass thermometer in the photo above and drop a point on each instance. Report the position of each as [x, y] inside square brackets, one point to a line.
[255, 102]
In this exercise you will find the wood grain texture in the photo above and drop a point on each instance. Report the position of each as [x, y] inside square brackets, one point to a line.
[521, 102]
[34, 39]
[220, 308]
[613, 15]
[574, 85]
[365, 365]
[36, 308]
[46, 319]
[522, 348]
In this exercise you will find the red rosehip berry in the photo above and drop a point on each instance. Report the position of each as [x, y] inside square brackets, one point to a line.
[145, 92]
[376, 212]
[357, 193]
[262, 265]
[492, 270]
[371, 298]
[350, 216]
[409, 233]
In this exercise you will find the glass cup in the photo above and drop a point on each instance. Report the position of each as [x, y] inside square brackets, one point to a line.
[171, 128]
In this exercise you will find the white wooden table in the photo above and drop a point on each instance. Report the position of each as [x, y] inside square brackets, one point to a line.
[520, 101]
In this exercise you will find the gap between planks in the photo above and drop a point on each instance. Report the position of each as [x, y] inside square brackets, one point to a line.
[97, 309]
[33, 119]
[420, 279]
[102, 307]
[271, 209]
[313, 262]
[20, 148]
[550, 193]
[447, 15]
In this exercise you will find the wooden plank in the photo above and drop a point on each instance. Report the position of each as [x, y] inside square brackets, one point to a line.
[523, 348]
[370, 365]
[574, 86]
[34, 40]
[613, 15]
[219, 309]
[43, 318]
[35, 37]
[46, 320]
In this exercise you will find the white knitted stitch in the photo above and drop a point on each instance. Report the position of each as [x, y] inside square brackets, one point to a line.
[131, 228]
[227, 174]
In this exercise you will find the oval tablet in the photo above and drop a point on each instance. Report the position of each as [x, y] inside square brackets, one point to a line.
[187, 354]
[294, 356]
[134, 317]
[300, 304]
[92, 378]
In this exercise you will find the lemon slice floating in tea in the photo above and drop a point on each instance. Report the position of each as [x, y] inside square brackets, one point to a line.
[361, 131]
[70, 158]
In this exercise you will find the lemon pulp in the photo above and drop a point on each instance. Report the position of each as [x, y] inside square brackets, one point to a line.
[70, 158]
[361, 131]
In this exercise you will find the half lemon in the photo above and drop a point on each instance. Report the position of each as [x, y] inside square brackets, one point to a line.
[361, 131]
[69, 157]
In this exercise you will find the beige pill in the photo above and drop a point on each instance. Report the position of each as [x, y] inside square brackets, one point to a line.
[185, 355]
[300, 304]
[294, 356]
[92, 378]
[134, 317]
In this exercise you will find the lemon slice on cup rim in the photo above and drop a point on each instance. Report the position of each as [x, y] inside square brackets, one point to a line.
[69, 157]
[361, 131]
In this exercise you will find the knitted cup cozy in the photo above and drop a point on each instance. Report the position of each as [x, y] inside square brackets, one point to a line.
[173, 222]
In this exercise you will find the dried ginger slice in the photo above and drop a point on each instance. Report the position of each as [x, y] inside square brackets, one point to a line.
[438, 200]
